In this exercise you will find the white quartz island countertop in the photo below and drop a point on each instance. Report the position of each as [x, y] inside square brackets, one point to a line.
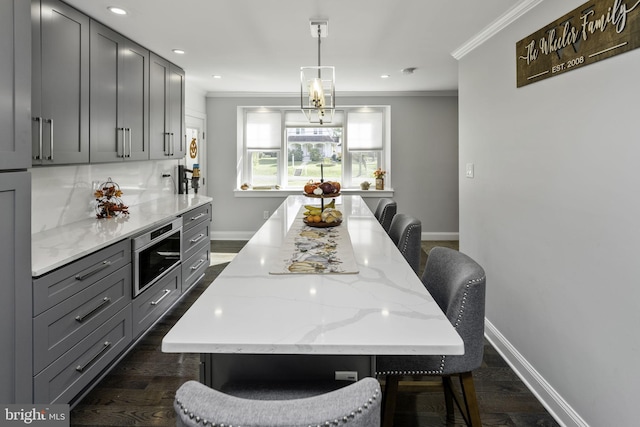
[383, 309]
[58, 246]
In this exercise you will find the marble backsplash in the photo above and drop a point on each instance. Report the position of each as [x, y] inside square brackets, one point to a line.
[61, 195]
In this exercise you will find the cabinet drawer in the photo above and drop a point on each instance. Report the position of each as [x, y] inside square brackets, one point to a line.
[194, 267]
[67, 376]
[55, 287]
[193, 239]
[152, 303]
[63, 326]
[196, 216]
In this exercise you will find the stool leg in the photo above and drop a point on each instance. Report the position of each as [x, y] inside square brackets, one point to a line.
[470, 399]
[448, 397]
[389, 400]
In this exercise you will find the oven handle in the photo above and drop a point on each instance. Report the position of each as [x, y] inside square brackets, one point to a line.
[166, 292]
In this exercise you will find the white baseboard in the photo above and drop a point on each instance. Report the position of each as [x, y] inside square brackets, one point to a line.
[550, 399]
[440, 236]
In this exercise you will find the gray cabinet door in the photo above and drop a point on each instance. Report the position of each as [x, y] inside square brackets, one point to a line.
[166, 109]
[60, 84]
[15, 85]
[15, 287]
[176, 111]
[119, 94]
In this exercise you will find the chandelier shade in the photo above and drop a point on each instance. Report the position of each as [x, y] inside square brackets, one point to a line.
[317, 85]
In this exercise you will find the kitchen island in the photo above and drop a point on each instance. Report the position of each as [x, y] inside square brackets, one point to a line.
[247, 315]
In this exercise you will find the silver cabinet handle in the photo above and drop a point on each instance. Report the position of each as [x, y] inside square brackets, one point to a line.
[167, 152]
[123, 144]
[173, 145]
[50, 121]
[39, 155]
[104, 348]
[200, 215]
[130, 150]
[197, 266]
[104, 301]
[100, 267]
[197, 238]
[166, 292]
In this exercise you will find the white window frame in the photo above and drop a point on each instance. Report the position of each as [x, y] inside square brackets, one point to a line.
[243, 173]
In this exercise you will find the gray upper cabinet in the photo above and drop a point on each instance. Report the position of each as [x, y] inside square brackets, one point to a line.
[119, 97]
[166, 109]
[15, 86]
[60, 84]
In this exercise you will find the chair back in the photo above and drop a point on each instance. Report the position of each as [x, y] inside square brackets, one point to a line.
[458, 285]
[385, 211]
[406, 233]
[355, 405]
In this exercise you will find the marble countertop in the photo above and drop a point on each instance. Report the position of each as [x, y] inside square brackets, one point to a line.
[56, 247]
[383, 309]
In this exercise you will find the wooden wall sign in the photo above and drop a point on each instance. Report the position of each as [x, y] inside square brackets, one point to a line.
[597, 30]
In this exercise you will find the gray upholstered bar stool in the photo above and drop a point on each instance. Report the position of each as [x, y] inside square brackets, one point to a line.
[385, 211]
[458, 284]
[406, 233]
[355, 405]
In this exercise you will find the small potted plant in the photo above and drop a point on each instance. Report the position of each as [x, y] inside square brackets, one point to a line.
[379, 174]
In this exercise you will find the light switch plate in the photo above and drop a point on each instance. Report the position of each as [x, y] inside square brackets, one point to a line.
[469, 170]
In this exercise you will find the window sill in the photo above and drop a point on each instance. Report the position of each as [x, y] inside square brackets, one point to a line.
[388, 192]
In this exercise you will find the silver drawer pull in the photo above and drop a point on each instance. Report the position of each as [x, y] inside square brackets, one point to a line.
[200, 215]
[100, 267]
[166, 292]
[104, 348]
[105, 301]
[197, 266]
[198, 238]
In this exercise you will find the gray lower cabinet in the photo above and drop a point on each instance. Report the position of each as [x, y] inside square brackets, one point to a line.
[82, 322]
[196, 245]
[150, 305]
[119, 97]
[167, 133]
[15, 84]
[68, 375]
[60, 84]
[15, 289]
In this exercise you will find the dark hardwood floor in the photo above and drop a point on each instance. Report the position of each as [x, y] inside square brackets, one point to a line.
[139, 391]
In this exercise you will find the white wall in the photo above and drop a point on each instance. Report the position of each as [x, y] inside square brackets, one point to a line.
[552, 216]
[424, 137]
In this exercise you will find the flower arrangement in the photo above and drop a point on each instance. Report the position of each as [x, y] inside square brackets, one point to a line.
[108, 198]
[379, 173]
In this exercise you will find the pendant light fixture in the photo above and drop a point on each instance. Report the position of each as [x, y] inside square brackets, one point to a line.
[317, 84]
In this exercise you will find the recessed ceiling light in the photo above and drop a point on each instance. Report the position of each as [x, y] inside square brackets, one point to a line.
[408, 70]
[216, 76]
[117, 10]
[178, 51]
[385, 76]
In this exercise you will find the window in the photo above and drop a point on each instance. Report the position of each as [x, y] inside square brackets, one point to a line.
[279, 147]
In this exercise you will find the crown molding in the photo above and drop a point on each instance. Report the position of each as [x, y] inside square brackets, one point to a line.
[495, 27]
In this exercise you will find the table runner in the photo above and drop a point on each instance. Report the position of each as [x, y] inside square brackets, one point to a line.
[313, 250]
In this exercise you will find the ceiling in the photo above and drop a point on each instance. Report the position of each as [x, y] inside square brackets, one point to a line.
[258, 46]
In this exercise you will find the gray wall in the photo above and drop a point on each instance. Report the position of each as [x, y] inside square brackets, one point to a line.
[424, 152]
[552, 215]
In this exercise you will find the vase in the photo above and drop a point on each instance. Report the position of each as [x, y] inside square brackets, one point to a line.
[379, 183]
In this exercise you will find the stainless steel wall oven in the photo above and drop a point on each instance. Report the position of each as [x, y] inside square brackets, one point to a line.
[155, 253]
